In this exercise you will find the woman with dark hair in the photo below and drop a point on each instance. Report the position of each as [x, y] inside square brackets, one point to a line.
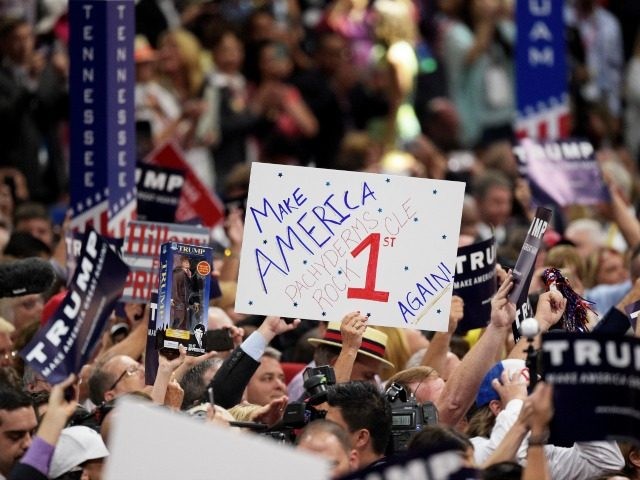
[286, 122]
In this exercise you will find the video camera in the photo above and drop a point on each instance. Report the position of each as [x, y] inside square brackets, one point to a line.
[317, 381]
[407, 416]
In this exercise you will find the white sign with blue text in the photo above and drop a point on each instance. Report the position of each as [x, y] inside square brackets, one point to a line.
[319, 244]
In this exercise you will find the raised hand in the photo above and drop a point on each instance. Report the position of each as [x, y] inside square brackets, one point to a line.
[456, 313]
[510, 387]
[271, 413]
[352, 329]
[171, 365]
[503, 312]
[174, 395]
[59, 411]
[550, 308]
[273, 326]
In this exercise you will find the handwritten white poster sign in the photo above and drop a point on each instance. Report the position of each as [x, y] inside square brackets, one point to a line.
[321, 243]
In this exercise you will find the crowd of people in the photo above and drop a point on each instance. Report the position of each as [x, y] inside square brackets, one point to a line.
[409, 87]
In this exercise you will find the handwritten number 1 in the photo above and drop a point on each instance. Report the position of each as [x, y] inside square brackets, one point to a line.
[369, 291]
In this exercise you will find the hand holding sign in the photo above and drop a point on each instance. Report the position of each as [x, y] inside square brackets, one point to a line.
[59, 411]
[273, 326]
[166, 364]
[456, 313]
[352, 329]
[503, 312]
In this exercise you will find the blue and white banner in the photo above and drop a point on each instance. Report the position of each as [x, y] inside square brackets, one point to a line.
[102, 125]
[541, 73]
[596, 386]
[67, 341]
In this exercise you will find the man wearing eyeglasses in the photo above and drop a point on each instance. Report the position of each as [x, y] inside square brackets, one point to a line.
[115, 377]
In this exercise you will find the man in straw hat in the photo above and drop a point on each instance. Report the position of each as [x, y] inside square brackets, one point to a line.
[355, 351]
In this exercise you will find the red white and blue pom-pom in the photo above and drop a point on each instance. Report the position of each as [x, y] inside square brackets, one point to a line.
[575, 315]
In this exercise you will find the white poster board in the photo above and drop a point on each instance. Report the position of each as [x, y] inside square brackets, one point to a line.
[149, 442]
[319, 244]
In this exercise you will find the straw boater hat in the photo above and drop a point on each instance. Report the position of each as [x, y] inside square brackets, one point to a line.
[374, 342]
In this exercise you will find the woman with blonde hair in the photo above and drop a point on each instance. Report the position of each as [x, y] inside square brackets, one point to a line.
[395, 35]
[183, 67]
[397, 351]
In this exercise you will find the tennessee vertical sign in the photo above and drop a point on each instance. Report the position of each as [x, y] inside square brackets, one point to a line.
[101, 83]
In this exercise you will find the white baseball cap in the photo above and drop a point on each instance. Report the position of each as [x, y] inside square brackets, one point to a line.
[76, 445]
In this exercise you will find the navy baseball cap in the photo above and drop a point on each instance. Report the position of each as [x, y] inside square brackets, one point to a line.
[487, 392]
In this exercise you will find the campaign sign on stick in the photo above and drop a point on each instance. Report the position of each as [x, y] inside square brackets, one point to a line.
[151, 351]
[141, 252]
[196, 200]
[159, 191]
[528, 253]
[596, 386]
[321, 243]
[475, 282]
[524, 309]
[67, 341]
[564, 173]
[523, 271]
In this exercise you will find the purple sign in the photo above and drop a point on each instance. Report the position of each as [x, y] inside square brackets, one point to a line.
[102, 123]
[562, 173]
[67, 341]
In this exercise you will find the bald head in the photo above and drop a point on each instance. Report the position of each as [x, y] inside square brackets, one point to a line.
[114, 377]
